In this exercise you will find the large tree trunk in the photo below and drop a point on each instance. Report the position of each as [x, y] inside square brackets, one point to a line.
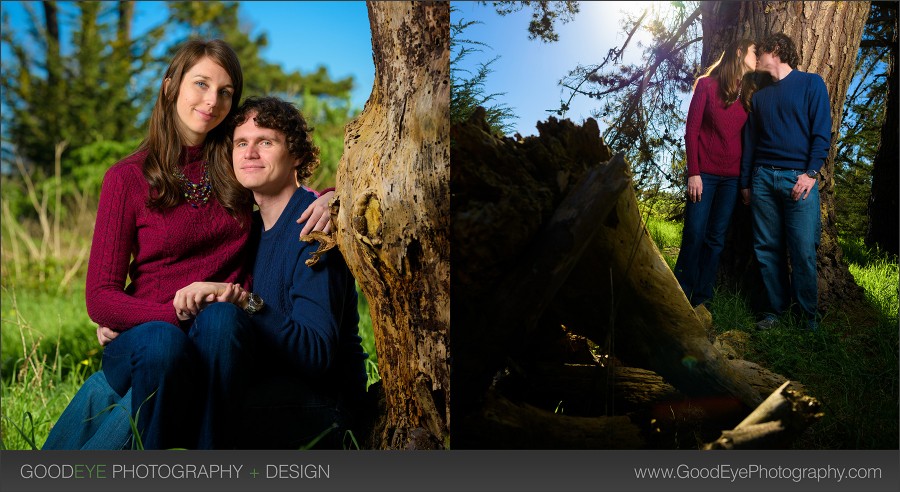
[55, 89]
[123, 29]
[827, 35]
[54, 68]
[392, 217]
[883, 207]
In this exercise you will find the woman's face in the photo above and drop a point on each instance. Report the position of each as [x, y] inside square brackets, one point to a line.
[750, 59]
[204, 100]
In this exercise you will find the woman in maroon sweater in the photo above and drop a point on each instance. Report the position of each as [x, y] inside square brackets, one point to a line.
[169, 215]
[715, 119]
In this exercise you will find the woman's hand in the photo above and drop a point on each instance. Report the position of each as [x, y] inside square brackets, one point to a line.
[695, 188]
[106, 335]
[317, 215]
[192, 299]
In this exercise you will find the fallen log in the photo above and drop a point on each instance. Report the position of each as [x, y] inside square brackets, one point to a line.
[651, 323]
[513, 425]
[548, 243]
[775, 423]
[592, 390]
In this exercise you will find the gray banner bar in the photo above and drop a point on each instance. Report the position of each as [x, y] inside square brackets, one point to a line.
[400, 471]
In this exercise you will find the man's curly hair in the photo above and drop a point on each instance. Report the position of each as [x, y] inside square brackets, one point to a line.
[276, 114]
[783, 47]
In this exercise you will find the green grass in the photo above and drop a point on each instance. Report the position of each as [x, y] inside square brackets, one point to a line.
[850, 364]
[368, 338]
[39, 322]
[666, 235]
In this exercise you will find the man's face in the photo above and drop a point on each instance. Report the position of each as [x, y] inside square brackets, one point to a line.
[261, 159]
[767, 62]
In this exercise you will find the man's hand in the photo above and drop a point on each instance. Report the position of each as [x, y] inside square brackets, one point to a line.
[105, 335]
[190, 300]
[317, 215]
[745, 195]
[695, 188]
[803, 187]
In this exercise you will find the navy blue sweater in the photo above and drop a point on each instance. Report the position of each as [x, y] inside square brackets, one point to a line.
[789, 125]
[310, 312]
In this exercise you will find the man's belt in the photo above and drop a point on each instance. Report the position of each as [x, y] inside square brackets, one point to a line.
[779, 168]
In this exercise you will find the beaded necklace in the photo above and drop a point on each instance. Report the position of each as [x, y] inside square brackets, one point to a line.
[196, 194]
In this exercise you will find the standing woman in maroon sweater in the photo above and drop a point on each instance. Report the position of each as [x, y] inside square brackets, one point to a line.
[715, 119]
[169, 215]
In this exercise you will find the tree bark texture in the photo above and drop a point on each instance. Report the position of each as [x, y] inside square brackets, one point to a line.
[827, 36]
[883, 207]
[391, 217]
[556, 288]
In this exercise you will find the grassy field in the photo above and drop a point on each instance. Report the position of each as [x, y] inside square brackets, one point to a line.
[850, 364]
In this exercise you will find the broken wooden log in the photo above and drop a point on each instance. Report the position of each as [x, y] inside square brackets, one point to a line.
[775, 423]
[537, 257]
[517, 229]
[515, 425]
[651, 323]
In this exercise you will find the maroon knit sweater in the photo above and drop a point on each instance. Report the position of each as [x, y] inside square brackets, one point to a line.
[170, 249]
[713, 137]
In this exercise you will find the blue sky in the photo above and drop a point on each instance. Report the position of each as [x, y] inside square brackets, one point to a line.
[529, 71]
[302, 35]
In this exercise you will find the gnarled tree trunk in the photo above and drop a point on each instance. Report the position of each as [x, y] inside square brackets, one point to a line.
[392, 217]
[827, 35]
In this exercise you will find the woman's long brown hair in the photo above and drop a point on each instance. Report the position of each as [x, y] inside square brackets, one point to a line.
[164, 144]
[728, 71]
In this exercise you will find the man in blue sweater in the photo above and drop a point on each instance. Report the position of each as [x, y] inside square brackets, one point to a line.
[786, 142]
[308, 361]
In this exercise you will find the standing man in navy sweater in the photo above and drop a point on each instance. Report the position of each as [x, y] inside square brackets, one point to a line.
[786, 142]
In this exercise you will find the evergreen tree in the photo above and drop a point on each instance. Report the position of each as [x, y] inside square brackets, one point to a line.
[860, 135]
[80, 98]
[467, 90]
[544, 15]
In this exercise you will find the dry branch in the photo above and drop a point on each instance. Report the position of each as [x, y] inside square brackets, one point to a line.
[774, 423]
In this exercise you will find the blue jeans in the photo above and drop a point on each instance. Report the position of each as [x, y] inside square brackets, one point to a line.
[703, 237]
[158, 363]
[255, 397]
[782, 225]
[285, 411]
[243, 394]
[223, 335]
[96, 418]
